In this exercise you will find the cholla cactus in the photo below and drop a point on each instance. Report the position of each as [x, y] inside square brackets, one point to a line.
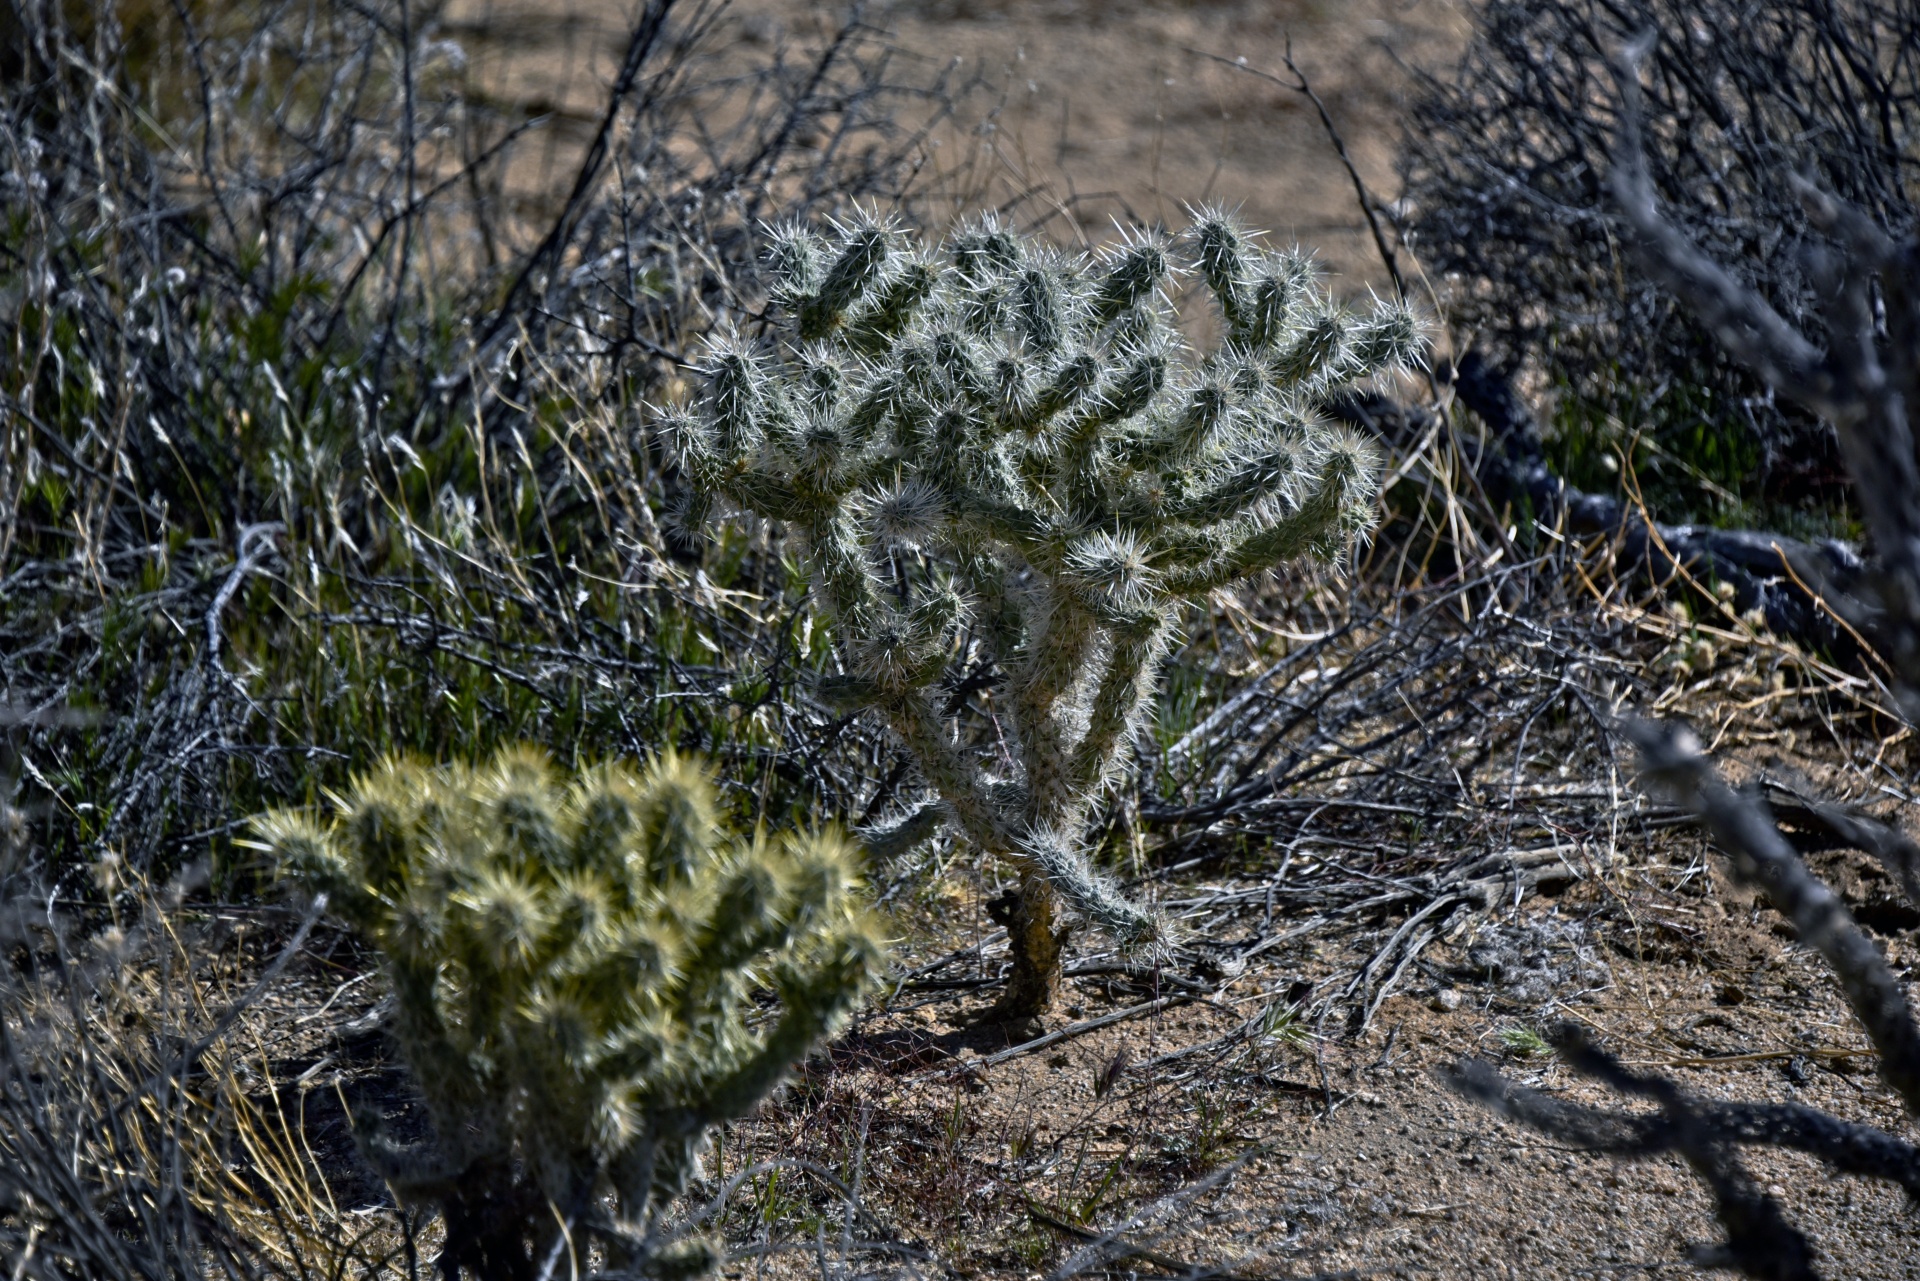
[573, 964]
[1000, 446]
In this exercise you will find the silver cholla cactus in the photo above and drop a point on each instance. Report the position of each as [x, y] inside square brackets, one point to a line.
[997, 445]
[573, 964]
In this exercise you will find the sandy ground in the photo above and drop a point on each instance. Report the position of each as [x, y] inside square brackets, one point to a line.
[1349, 1156]
[1091, 113]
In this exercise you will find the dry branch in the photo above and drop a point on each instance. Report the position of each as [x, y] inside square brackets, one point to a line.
[1506, 161]
[1863, 384]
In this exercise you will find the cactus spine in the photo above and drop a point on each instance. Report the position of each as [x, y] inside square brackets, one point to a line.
[997, 446]
[572, 964]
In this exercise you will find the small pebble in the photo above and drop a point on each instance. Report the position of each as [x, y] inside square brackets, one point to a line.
[1446, 1000]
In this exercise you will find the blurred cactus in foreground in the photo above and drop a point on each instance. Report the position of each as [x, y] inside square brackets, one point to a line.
[573, 965]
[999, 454]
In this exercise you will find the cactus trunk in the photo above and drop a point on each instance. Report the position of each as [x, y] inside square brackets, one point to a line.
[1036, 940]
[485, 1216]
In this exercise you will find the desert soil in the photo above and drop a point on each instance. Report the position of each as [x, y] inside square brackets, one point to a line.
[1093, 113]
[1347, 1155]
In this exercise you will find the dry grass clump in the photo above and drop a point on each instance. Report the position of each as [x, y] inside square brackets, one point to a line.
[145, 1127]
[322, 443]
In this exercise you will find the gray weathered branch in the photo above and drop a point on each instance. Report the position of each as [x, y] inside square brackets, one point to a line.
[1862, 384]
[1762, 856]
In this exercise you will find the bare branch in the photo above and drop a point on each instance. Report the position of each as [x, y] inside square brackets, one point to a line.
[1763, 857]
[1744, 322]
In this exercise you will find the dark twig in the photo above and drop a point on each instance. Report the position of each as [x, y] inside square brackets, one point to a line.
[640, 44]
[1368, 206]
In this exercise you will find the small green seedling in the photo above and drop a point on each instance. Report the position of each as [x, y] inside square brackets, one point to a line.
[1523, 1042]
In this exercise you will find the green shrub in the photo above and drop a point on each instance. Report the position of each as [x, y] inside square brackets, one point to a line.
[206, 336]
[999, 449]
[573, 965]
